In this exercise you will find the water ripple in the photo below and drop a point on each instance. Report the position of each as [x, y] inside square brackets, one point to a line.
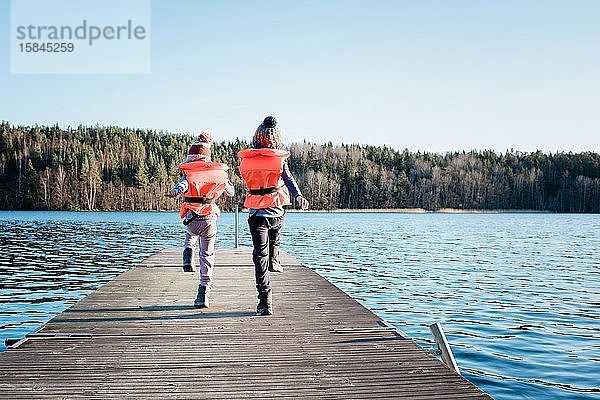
[517, 294]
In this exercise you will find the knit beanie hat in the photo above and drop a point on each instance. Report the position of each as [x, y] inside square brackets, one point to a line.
[201, 147]
[267, 134]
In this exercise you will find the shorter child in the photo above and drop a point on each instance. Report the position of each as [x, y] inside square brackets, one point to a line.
[203, 182]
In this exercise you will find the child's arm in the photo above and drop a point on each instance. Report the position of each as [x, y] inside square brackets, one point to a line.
[181, 187]
[290, 182]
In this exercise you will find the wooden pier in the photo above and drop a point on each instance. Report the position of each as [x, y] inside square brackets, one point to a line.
[139, 337]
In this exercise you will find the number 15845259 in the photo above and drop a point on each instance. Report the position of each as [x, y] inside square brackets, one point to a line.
[46, 47]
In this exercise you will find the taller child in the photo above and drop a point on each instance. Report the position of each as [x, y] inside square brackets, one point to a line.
[202, 181]
[267, 175]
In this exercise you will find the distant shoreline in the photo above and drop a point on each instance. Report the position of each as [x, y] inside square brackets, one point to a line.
[424, 211]
[342, 211]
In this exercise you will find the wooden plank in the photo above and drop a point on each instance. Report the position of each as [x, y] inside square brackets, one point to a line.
[140, 337]
[233, 257]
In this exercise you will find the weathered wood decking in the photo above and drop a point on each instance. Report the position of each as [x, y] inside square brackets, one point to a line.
[139, 337]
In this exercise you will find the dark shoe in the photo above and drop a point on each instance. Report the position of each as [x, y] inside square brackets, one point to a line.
[202, 297]
[265, 303]
[187, 260]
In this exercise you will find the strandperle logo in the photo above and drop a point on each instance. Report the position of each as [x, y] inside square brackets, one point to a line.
[87, 32]
[80, 37]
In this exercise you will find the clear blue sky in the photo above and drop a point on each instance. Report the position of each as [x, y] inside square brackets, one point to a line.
[425, 75]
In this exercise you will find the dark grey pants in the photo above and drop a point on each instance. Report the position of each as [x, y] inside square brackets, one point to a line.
[265, 232]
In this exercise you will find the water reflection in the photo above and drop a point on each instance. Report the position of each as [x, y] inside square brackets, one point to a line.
[517, 294]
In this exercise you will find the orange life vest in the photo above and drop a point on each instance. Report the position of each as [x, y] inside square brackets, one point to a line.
[207, 181]
[261, 170]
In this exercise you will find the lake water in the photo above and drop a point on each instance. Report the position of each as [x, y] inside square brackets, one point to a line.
[518, 295]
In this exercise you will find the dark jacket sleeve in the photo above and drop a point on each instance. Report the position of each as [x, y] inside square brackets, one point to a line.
[290, 182]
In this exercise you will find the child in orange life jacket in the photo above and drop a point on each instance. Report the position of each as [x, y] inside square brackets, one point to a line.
[203, 182]
[267, 175]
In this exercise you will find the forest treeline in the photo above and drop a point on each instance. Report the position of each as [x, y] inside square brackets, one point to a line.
[113, 168]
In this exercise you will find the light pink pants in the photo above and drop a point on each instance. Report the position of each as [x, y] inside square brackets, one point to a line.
[206, 231]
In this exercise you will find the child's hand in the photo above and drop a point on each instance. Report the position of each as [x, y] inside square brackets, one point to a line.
[301, 203]
[170, 193]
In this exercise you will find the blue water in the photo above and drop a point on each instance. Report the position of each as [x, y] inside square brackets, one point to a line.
[517, 294]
